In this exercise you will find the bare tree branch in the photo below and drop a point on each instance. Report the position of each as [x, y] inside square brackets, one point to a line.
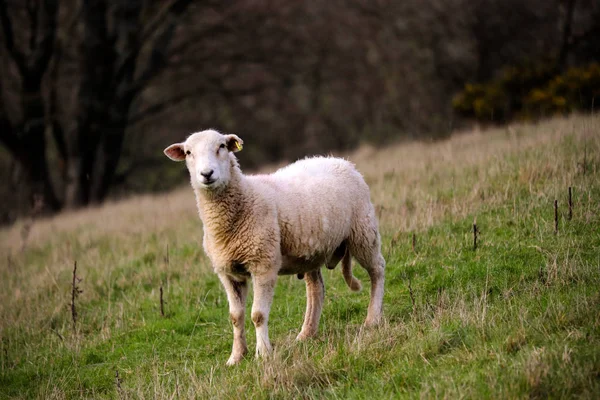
[165, 17]
[32, 8]
[9, 39]
[44, 46]
[217, 88]
[567, 27]
[158, 54]
[150, 28]
[57, 129]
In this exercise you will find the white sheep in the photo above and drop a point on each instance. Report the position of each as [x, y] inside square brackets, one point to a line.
[313, 212]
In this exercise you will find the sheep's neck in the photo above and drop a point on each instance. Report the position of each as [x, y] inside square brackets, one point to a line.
[222, 212]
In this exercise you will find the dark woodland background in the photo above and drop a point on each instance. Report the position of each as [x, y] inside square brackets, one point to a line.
[91, 91]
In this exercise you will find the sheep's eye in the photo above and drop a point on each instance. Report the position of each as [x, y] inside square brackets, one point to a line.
[222, 146]
[188, 152]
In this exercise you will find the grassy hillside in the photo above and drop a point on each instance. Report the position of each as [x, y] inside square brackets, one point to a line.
[517, 317]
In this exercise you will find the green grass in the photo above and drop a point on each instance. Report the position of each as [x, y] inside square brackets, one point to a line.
[517, 317]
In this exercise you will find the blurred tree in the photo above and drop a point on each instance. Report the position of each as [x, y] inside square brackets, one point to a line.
[24, 133]
[121, 46]
[567, 29]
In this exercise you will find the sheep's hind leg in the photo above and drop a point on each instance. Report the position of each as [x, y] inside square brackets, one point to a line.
[264, 288]
[315, 293]
[367, 251]
[376, 272]
[236, 295]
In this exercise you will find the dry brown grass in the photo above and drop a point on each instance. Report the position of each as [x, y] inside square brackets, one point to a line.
[409, 180]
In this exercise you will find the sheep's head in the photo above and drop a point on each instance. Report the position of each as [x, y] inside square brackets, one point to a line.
[209, 158]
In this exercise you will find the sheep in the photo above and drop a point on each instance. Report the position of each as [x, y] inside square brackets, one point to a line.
[313, 212]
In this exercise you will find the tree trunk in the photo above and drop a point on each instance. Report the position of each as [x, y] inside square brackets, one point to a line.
[32, 153]
[97, 62]
[27, 138]
[111, 154]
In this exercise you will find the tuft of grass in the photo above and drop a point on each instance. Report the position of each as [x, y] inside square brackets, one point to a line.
[519, 316]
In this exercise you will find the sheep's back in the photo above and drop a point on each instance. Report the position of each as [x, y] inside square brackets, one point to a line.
[317, 200]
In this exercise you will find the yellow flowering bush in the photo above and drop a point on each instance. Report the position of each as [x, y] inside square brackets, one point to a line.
[530, 92]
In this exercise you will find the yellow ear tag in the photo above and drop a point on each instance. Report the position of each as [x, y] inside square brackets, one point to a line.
[238, 145]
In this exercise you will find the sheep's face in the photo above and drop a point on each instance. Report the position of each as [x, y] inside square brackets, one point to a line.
[209, 158]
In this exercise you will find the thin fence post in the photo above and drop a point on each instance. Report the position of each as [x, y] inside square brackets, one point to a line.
[570, 204]
[162, 302]
[475, 232]
[555, 217]
[75, 291]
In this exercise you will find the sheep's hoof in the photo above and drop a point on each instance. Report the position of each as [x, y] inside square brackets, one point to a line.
[372, 321]
[302, 336]
[300, 276]
[234, 359]
[263, 353]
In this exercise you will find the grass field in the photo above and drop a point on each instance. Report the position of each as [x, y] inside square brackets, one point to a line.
[518, 317]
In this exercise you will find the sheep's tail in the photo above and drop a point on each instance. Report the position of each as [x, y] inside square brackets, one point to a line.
[353, 283]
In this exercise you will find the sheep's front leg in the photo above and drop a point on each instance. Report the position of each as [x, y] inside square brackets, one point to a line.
[237, 291]
[315, 293]
[264, 287]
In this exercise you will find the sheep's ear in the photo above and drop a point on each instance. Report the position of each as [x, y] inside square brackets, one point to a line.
[234, 143]
[175, 152]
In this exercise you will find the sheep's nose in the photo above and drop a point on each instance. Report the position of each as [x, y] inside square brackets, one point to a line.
[207, 173]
